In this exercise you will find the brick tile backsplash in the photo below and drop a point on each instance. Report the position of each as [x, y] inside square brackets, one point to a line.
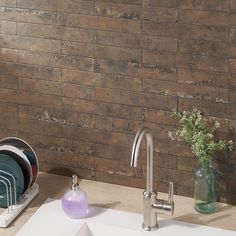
[78, 79]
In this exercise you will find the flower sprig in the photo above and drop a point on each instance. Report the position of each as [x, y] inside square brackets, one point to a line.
[199, 133]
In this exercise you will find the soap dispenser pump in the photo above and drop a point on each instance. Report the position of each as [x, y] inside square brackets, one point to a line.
[74, 201]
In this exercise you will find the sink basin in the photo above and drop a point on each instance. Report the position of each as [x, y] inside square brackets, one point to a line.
[50, 219]
[93, 229]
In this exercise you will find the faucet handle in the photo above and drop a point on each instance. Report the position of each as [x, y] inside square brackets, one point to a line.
[161, 206]
[171, 192]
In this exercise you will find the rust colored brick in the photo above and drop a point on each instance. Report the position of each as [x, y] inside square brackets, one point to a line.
[26, 97]
[158, 116]
[198, 77]
[77, 91]
[232, 100]
[30, 16]
[31, 44]
[185, 190]
[8, 110]
[8, 82]
[155, 101]
[101, 108]
[78, 49]
[233, 65]
[8, 55]
[214, 33]
[187, 164]
[126, 126]
[161, 3]
[99, 51]
[210, 18]
[232, 19]
[7, 27]
[61, 117]
[186, 178]
[8, 3]
[159, 43]
[121, 180]
[116, 96]
[203, 47]
[60, 145]
[131, 126]
[186, 60]
[119, 54]
[118, 39]
[232, 5]
[49, 156]
[115, 167]
[40, 86]
[213, 5]
[186, 90]
[80, 77]
[6, 132]
[210, 108]
[233, 36]
[122, 11]
[103, 122]
[119, 82]
[163, 160]
[161, 29]
[130, 2]
[55, 60]
[136, 69]
[160, 14]
[74, 160]
[176, 148]
[30, 71]
[113, 152]
[102, 23]
[136, 41]
[81, 6]
[9, 123]
[55, 32]
[56, 169]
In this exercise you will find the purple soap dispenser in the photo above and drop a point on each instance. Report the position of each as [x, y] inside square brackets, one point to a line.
[74, 201]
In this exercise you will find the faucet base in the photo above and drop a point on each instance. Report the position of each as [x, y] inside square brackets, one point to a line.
[149, 228]
[149, 216]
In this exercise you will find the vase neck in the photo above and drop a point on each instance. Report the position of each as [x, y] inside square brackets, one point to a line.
[205, 164]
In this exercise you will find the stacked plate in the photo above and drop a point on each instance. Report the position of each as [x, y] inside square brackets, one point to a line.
[18, 169]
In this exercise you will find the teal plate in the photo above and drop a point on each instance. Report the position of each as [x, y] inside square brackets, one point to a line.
[9, 165]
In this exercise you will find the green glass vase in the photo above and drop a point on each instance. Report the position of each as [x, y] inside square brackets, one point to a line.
[205, 188]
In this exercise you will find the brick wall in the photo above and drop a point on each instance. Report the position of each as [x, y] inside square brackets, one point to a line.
[78, 78]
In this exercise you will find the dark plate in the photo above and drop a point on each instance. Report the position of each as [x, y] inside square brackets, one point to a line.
[27, 150]
[9, 165]
[21, 160]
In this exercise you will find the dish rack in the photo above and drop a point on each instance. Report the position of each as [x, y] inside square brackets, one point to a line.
[14, 207]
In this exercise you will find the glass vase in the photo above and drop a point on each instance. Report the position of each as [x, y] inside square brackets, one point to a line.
[205, 188]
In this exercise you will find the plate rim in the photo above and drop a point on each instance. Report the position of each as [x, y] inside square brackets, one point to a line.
[23, 157]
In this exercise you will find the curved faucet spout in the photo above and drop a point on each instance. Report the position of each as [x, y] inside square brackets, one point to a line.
[144, 131]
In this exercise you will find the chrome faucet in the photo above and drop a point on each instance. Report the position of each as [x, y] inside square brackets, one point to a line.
[151, 205]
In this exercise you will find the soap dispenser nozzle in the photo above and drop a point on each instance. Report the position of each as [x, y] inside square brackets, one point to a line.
[75, 184]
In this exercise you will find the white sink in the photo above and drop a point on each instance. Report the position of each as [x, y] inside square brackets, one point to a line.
[50, 220]
[93, 229]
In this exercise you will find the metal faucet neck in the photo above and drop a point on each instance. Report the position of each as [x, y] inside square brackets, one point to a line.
[151, 205]
[144, 131]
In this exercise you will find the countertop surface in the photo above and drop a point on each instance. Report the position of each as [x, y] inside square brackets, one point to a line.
[120, 198]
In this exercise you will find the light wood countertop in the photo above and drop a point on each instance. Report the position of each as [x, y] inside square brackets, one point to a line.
[121, 198]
